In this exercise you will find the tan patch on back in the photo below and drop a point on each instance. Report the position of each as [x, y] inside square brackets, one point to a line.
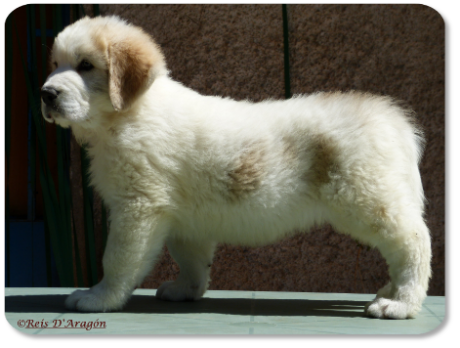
[290, 150]
[246, 175]
[323, 161]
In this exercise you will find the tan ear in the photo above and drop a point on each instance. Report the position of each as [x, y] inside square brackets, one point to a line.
[133, 65]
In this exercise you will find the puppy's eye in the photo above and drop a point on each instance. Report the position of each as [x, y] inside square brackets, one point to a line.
[85, 66]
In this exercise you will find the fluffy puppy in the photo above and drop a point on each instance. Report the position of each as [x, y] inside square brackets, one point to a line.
[192, 171]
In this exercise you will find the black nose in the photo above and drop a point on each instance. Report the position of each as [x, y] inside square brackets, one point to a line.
[49, 95]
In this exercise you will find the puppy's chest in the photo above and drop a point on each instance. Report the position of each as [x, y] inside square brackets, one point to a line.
[117, 173]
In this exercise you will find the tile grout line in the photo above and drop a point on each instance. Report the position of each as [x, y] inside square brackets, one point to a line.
[40, 330]
[429, 310]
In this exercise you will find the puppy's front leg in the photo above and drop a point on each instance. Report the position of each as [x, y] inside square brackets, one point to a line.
[133, 245]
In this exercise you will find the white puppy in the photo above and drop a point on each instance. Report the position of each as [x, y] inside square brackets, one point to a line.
[192, 171]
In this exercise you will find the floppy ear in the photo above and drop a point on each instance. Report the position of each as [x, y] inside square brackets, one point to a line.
[133, 65]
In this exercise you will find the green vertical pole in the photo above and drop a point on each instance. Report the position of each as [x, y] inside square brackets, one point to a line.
[287, 74]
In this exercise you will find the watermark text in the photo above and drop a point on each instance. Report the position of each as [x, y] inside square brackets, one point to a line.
[61, 324]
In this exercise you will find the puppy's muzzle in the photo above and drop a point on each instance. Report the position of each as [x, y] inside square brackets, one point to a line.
[49, 96]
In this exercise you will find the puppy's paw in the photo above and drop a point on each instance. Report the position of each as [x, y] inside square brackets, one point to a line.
[385, 308]
[74, 297]
[176, 291]
[93, 300]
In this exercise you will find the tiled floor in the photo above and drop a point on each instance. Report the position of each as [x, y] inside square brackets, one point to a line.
[219, 312]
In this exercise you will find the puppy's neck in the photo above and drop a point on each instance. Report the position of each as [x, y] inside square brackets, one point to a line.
[104, 127]
[84, 136]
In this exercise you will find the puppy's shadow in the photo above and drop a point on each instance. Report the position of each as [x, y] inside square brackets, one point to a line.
[143, 304]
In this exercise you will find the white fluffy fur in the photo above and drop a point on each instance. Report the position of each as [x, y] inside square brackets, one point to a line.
[192, 171]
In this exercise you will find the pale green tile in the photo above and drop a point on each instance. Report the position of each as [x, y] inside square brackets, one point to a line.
[223, 312]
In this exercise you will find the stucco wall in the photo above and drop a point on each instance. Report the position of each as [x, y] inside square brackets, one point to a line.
[237, 51]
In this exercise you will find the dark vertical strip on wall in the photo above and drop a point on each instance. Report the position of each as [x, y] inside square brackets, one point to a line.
[43, 42]
[31, 64]
[44, 48]
[287, 75]
[96, 10]
[8, 101]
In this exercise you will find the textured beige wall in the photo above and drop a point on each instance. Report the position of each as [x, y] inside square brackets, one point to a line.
[237, 51]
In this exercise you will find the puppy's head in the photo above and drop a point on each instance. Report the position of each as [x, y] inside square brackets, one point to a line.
[100, 65]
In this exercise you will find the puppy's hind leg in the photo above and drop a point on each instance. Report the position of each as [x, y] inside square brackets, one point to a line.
[194, 259]
[134, 243]
[408, 254]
